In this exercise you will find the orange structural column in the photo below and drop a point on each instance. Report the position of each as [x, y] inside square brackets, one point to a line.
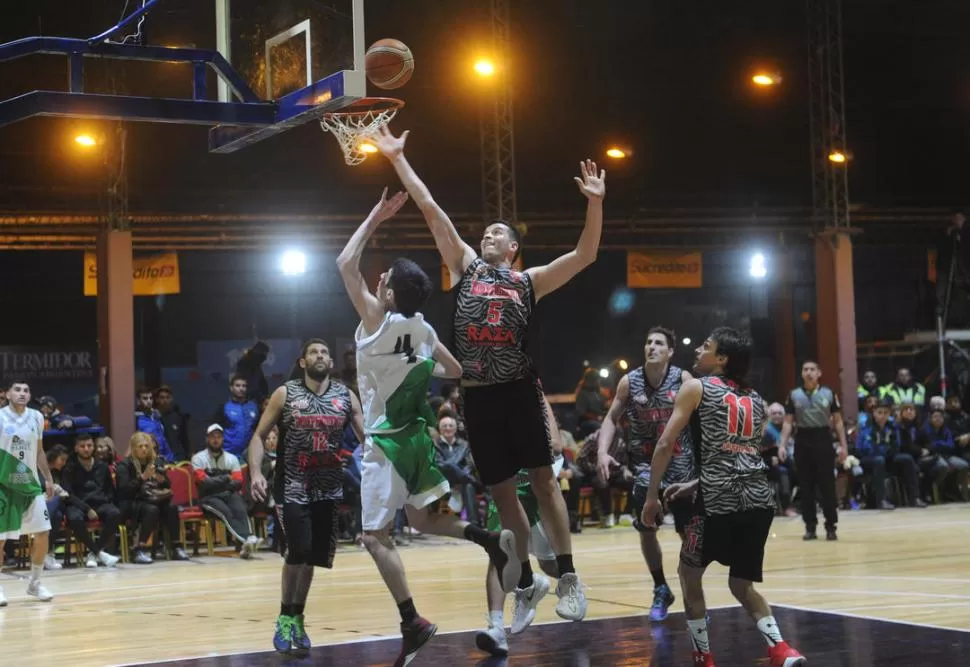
[835, 305]
[116, 337]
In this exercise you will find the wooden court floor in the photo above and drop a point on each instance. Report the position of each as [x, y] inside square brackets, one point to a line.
[907, 565]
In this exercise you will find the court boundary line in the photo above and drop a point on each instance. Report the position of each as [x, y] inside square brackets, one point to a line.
[865, 617]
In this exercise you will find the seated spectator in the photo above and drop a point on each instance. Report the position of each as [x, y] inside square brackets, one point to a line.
[591, 404]
[949, 466]
[104, 450]
[237, 417]
[56, 505]
[174, 423]
[957, 420]
[452, 456]
[914, 441]
[874, 446]
[868, 406]
[776, 457]
[868, 387]
[92, 498]
[54, 419]
[621, 477]
[936, 403]
[219, 479]
[904, 390]
[148, 420]
[145, 498]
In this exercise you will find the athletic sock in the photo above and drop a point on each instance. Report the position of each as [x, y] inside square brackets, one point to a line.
[525, 579]
[286, 610]
[408, 612]
[658, 577]
[35, 571]
[298, 609]
[769, 629]
[565, 564]
[497, 618]
[698, 635]
[479, 536]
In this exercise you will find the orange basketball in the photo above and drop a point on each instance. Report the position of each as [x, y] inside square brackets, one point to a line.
[389, 63]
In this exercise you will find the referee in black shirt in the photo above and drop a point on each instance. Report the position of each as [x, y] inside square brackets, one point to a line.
[813, 409]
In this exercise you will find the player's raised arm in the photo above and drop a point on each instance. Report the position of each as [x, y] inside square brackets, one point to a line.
[368, 306]
[608, 430]
[269, 417]
[456, 254]
[552, 276]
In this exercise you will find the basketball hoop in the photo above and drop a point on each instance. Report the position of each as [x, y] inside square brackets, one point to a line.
[356, 124]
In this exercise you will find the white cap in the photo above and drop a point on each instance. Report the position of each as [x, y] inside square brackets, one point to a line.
[213, 427]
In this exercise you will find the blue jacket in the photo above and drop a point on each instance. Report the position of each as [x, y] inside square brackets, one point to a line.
[875, 441]
[939, 442]
[238, 421]
[151, 423]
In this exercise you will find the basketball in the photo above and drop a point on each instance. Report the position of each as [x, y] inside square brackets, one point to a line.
[389, 63]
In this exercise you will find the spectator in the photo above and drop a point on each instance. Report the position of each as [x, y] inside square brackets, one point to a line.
[452, 457]
[941, 445]
[92, 498]
[591, 404]
[621, 477]
[54, 419]
[219, 479]
[250, 368]
[876, 443]
[148, 420]
[914, 441]
[868, 406]
[904, 390]
[937, 403]
[145, 497]
[174, 423]
[237, 417]
[56, 505]
[775, 455]
[868, 387]
[959, 424]
[104, 450]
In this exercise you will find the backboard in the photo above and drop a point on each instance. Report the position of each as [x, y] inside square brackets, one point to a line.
[281, 46]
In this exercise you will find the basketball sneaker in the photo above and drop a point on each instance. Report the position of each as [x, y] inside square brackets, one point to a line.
[301, 642]
[107, 559]
[526, 601]
[501, 551]
[50, 563]
[572, 598]
[3, 598]
[36, 590]
[663, 599]
[493, 640]
[283, 639]
[414, 636]
[703, 659]
[783, 655]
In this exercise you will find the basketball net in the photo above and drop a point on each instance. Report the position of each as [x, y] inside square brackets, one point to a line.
[355, 127]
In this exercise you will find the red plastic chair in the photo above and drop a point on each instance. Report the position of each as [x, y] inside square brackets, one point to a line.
[183, 497]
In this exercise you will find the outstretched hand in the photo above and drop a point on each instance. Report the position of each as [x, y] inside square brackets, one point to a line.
[386, 208]
[389, 145]
[593, 182]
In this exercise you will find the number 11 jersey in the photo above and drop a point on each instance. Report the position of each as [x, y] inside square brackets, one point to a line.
[727, 428]
[394, 369]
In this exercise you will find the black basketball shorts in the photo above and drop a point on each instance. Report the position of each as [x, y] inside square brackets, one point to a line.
[682, 509]
[507, 429]
[735, 540]
[310, 532]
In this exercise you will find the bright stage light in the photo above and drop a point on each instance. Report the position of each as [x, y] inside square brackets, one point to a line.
[293, 263]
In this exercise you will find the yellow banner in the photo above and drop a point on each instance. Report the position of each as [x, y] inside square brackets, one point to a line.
[154, 275]
[664, 269]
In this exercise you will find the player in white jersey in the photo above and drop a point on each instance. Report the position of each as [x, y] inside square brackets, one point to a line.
[397, 354]
[23, 506]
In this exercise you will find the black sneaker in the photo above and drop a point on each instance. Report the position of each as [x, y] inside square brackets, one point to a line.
[830, 535]
[810, 535]
[501, 552]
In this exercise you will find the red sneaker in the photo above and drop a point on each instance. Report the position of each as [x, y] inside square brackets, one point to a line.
[703, 659]
[414, 635]
[783, 655]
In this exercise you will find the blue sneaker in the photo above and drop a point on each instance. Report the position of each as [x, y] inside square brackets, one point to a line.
[301, 643]
[283, 639]
[662, 599]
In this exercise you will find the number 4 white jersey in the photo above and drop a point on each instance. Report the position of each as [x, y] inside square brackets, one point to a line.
[19, 435]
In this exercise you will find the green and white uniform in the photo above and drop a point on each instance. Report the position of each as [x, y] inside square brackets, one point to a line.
[539, 545]
[394, 369]
[23, 509]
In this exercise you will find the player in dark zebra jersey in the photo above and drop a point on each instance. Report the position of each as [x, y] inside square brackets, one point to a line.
[734, 504]
[645, 396]
[502, 397]
[312, 412]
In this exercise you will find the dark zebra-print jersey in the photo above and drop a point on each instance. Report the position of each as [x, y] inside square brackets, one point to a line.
[309, 467]
[494, 305]
[648, 410]
[727, 428]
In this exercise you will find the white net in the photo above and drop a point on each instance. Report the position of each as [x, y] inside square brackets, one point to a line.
[355, 130]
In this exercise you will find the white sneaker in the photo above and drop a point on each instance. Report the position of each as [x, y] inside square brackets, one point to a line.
[493, 640]
[3, 598]
[91, 561]
[249, 547]
[107, 559]
[38, 591]
[610, 521]
[526, 601]
[572, 598]
[50, 563]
